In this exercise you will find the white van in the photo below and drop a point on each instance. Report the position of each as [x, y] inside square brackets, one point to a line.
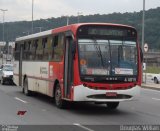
[6, 74]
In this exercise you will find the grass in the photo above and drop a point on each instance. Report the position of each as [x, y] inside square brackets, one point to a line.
[150, 69]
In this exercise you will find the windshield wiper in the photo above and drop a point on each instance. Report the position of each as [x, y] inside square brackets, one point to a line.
[97, 47]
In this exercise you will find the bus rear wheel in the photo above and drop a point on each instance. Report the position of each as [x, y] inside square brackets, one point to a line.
[60, 103]
[25, 88]
[156, 80]
[112, 105]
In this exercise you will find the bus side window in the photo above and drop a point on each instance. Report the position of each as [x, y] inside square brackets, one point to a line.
[58, 47]
[24, 47]
[25, 51]
[55, 41]
[17, 51]
[39, 49]
[33, 50]
[50, 48]
[45, 48]
[29, 50]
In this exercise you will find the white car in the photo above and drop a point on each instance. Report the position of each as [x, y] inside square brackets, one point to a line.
[156, 78]
[6, 73]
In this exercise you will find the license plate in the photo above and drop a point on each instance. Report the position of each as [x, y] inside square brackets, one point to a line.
[111, 94]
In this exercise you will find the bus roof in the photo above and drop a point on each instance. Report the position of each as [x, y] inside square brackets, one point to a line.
[44, 33]
[72, 27]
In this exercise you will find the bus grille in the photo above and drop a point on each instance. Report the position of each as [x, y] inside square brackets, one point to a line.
[103, 96]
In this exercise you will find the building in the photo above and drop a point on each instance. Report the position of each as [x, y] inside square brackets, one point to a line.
[6, 52]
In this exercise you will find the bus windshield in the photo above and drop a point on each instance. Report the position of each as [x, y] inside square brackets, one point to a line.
[107, 57]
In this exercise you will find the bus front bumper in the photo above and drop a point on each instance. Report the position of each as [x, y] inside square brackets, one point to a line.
[81, 93]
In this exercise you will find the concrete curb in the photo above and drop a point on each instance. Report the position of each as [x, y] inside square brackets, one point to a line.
[150, 87]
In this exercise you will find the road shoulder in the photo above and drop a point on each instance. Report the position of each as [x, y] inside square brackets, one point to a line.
[151, 86]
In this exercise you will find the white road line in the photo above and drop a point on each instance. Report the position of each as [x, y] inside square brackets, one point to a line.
[20, 100]
[79, 125]
[156, 99]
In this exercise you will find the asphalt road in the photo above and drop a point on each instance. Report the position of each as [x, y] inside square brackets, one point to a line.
[41, 110]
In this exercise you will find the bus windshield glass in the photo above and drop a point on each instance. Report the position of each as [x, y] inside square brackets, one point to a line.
[107, 57]
[114, 56]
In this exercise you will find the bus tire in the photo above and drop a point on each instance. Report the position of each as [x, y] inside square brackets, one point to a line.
[112, 105]
[25, 87]
[60, 103]
[156, 80]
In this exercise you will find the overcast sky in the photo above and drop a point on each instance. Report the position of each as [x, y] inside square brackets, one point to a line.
[19, 10]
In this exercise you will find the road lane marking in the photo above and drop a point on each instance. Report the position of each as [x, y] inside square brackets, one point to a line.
[81, 126]
[156, 99]
[20, 100]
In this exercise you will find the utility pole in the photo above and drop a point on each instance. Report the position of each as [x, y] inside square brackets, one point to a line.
[32, 14]
[3, 10]
[143, 22]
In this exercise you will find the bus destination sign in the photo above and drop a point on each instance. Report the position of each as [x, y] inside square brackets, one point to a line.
[107, 32]
[103, 31]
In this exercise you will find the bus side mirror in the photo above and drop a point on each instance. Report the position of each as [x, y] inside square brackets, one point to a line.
[141, 55]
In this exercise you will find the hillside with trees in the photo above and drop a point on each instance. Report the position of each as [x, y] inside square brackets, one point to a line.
[152, 24]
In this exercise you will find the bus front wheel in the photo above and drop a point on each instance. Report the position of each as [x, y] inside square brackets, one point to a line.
[112, 105]
[60, 103]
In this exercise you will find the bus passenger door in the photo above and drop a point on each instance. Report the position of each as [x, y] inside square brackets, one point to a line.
[68, 66]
